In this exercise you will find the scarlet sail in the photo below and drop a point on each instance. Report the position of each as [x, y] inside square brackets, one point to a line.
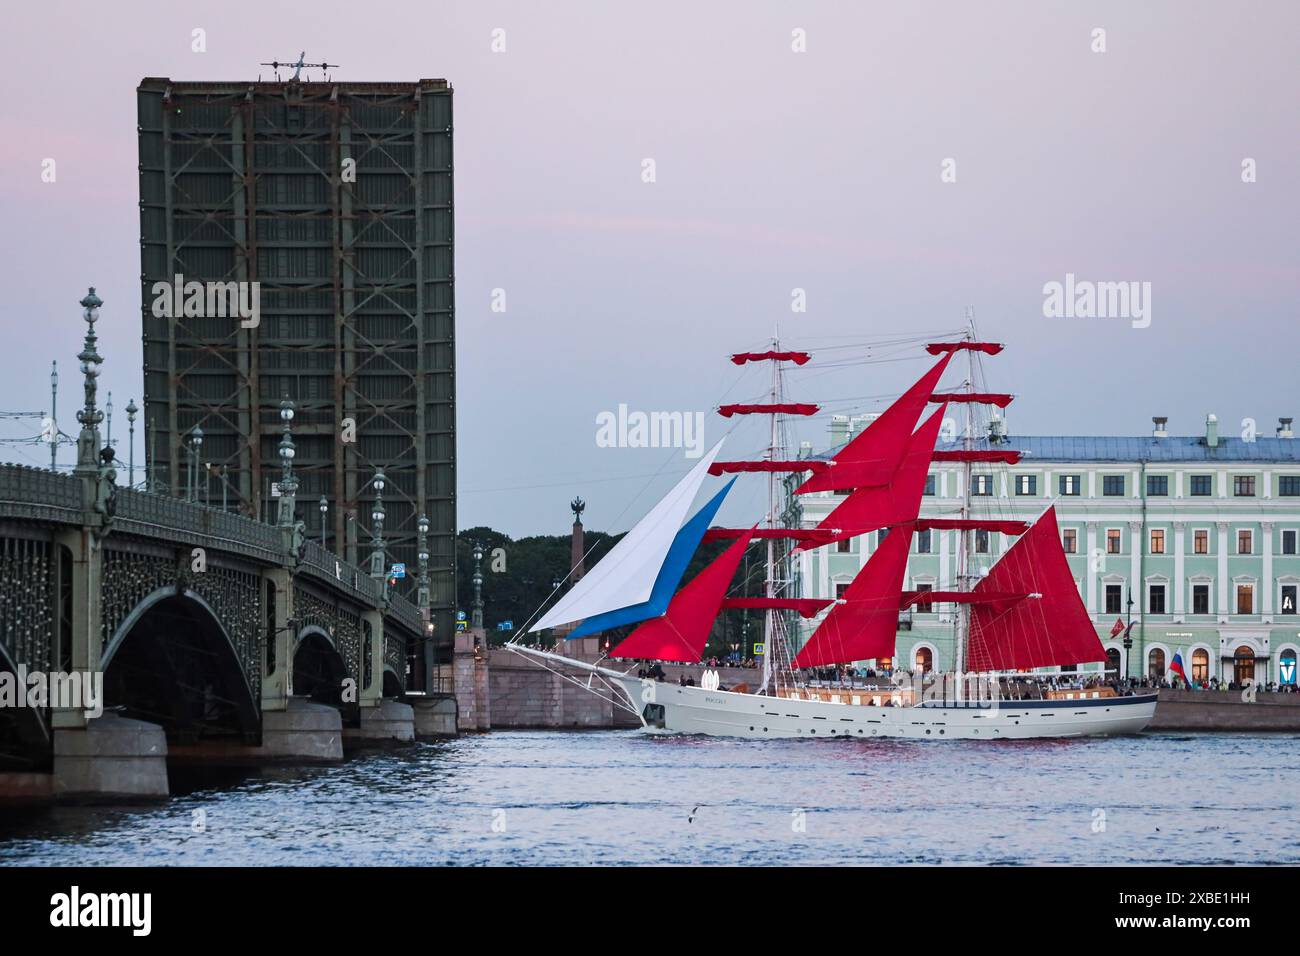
[1037, 631]
[882, 505]
[988, 348]
[799, 358]
[731, 467]
[874, 456]
[1000, 399]
[682, 632]
[781, 408]
[866, 624]
[807, 607]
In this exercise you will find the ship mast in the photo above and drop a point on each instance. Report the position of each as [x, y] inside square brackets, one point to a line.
[965, 574]
[769, 585]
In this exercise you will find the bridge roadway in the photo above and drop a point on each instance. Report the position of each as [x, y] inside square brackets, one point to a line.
[216, 637]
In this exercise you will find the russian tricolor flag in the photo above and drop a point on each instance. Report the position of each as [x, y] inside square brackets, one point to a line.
[1176, 667]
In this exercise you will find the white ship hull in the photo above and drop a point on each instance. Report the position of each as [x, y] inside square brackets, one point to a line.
[671, 708]
[694, 710]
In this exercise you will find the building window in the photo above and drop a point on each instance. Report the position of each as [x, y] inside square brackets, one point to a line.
[1157, 540]
[926, 607]
[844, 545]
[1200, 665]
[1243, 486]
[1113, 541]
[840, 589]
[1114, 599]
[931, 485]
[1070, 541]
[1026, 484]
[1201, 485]
[1288, 541]
[1288, 599]
[1244, 541]
[1288, 486]
[1112, 485]
[981, 484]
[1201, 541]
[842, 491]
[924, 660]
[1157, 486]
[923, 541]
[1200, 599]
[1156, 599]
[1113, 660]
[1156, 664]
[1069, 484]
[981, 541]
[880, 537]
[1245, 599]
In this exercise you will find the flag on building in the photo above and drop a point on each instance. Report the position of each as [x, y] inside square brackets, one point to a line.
[1116, 627]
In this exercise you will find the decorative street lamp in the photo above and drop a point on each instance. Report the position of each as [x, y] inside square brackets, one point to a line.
[422, 556]
[378, 562]
[324, 510]
[108, 421]
[131, 410]
[196, 448]
[54, 416]
[288, 483]
[476, 615]
[1128, 635]
[89, 416]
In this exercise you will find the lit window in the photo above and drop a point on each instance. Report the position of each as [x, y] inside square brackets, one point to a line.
[1245, 599]
[981, 484]
[1157, 540]
[1201, 541]
[1070, 541]
[1113, 541]
[1245, 541]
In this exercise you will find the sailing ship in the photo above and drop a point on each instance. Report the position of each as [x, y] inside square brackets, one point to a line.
[1013, 620]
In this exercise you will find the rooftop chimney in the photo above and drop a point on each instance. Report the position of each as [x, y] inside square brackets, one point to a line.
[1212, 430]
[1160, 421]
[1284, 428]
[839, 429]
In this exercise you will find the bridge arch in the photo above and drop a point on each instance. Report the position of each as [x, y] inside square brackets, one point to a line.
[25, 741]
[318, 667]
[392, 683]
[172, 662]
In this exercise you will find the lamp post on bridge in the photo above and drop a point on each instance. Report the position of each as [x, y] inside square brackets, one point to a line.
[89, 416]
[196, 458]
[131, 410]
[378, 560]
[476, 614]
[324, 510]
[288, 482]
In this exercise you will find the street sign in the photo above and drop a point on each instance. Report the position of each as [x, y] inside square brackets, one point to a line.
[506, 626]
[275, 489]
[760, 650]
[399, 570]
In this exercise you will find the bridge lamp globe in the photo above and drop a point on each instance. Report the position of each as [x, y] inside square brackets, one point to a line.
[422, 525]
[287, 450]
[286, 411]
[196, 437]
[324, 505]
[379, 482]
[377, 515]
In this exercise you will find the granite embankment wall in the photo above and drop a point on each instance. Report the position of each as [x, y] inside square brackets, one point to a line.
[1225, 710]
[524, 695]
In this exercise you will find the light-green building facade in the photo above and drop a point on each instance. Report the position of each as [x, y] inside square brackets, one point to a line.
[1201, 531]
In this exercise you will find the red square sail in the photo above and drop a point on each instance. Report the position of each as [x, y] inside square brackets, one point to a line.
[874, 456]
[683, 630]
[865, 626]
[1045, 631]
[880, 506]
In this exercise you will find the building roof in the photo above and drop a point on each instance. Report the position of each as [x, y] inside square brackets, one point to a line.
[1100, 448]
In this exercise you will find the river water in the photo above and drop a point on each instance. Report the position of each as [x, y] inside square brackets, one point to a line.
[625, 797]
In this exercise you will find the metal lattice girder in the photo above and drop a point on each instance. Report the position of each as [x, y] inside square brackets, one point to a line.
[245, 182]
